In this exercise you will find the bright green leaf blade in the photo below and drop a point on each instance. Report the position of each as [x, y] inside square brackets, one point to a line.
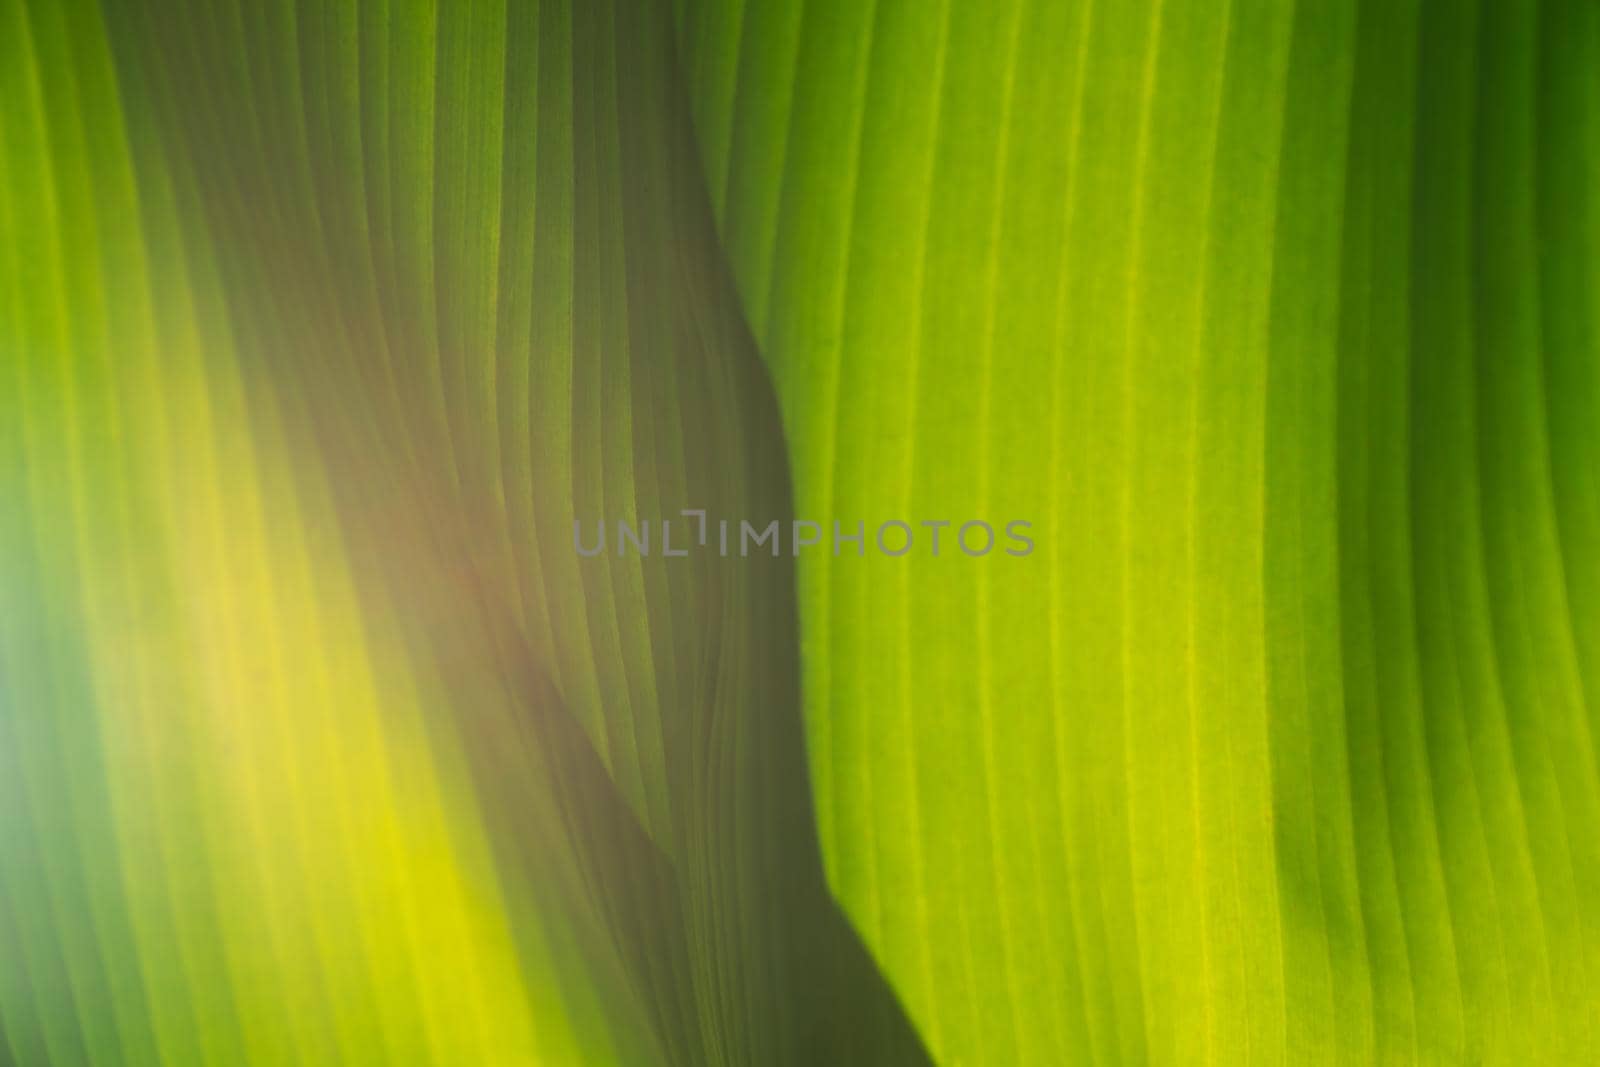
[1274, 319]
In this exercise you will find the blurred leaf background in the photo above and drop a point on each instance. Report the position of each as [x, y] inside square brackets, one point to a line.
[321, 322]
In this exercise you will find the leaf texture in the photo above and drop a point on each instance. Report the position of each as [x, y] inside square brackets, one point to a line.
[322, 324]
[1267, 316]
[460, 276]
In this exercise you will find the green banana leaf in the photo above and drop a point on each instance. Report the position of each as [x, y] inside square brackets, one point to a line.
[1259, 335]
[1276, 319]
